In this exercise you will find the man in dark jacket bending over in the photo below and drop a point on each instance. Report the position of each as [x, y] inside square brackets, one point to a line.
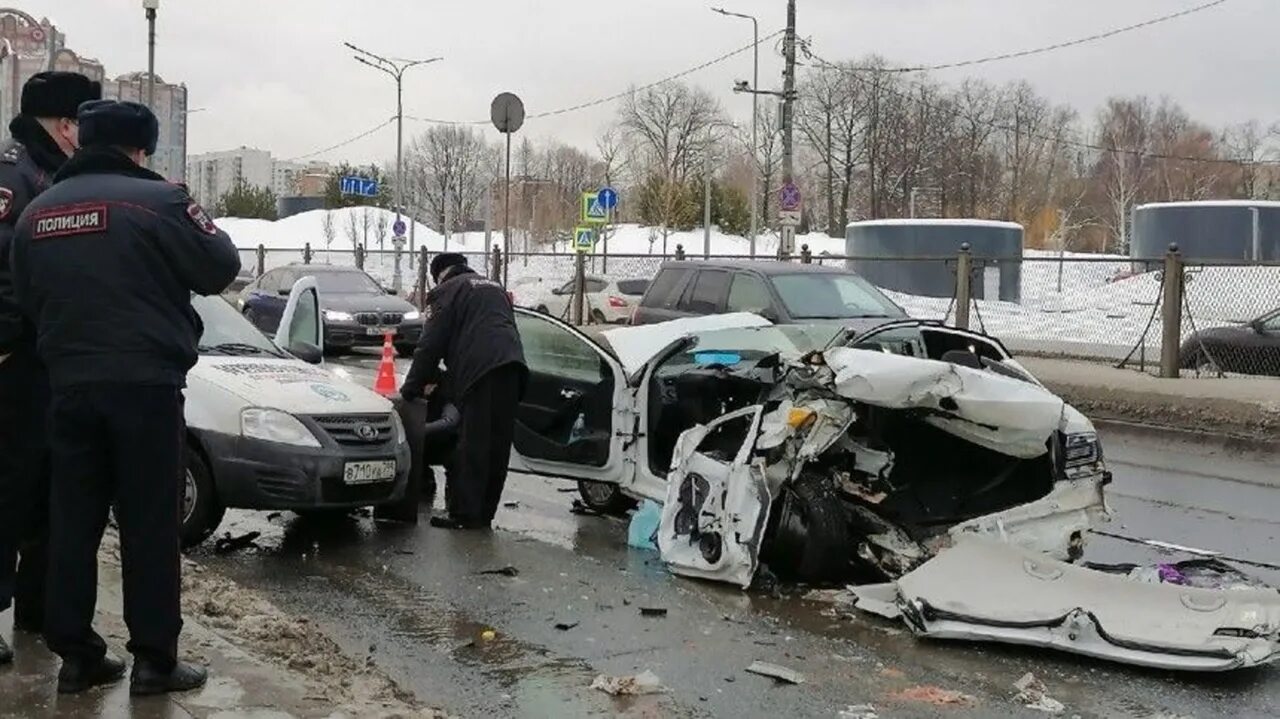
[471, 327]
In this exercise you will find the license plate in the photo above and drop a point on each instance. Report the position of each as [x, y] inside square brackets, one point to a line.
[369, 472]
[379, 331]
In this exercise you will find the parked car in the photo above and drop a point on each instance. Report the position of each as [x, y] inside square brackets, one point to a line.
[269, 429]
[607, 302]
[242, 280]
[826, 454]
[357, 311]
[1252, 349]
[782, 292]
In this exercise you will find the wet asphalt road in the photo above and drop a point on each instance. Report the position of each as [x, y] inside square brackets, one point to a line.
[415, 601]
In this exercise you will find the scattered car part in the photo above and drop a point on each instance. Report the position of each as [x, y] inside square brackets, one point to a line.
[782, 674]
[643, 683]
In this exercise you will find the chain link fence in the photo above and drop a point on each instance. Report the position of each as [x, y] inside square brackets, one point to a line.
[1107, 308]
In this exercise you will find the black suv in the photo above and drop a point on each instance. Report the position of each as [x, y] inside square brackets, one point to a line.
[781, 292]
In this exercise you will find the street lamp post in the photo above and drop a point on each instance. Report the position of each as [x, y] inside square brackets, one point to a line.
[395, 68]
[151, 6]
[755, 128]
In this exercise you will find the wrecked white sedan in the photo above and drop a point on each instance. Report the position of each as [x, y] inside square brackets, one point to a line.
[823, 454]
[911, 453]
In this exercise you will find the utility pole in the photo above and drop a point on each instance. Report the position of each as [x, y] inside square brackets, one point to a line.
[151, 6]
[755, 128]
[396, 68]
[788, 244]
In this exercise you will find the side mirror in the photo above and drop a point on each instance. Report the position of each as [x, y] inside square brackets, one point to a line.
[770, 315]
[283, 291]
[306, 352]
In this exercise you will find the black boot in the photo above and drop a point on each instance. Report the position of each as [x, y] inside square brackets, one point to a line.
[149, 679]
[78, 675]
[6, 654]
[452, 523]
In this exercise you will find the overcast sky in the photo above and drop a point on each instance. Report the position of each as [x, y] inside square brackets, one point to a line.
[273, 73]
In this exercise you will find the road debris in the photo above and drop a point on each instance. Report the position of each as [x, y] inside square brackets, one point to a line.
[645, 682]
[228, 544]
[511, 505]
[782, 674]
[507, 571]
[488, 635]
[566, 626]
[858, 711]
[653, 611]
[936, 696]
[583, 510]
[1033, 694]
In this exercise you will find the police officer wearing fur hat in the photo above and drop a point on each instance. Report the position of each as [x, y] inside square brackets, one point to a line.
[105, 263]
[471, 327]
[43, 137]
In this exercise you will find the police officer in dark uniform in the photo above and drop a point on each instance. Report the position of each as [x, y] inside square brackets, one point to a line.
[44, 136]
[105, 262]
[471, 326]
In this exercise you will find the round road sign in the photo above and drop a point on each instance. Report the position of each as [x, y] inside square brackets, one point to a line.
[608, 198]
[789, 197]
[399, 227]
[507, 113]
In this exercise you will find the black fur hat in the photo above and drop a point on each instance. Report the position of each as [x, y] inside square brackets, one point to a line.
[126, 124]
[444, 261]
[57, 94]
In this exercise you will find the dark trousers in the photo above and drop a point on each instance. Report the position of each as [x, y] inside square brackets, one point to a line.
[24, 487]
[120, 443]
[479, 470]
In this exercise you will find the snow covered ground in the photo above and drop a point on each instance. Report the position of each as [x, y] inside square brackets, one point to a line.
[1091, 316]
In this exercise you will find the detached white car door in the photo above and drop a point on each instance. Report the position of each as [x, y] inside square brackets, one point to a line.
[300, 324]
[577, 417]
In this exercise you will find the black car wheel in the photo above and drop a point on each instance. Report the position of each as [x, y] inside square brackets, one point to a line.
[809, 537]
[605, 498]
[201, 510]
[598, 318]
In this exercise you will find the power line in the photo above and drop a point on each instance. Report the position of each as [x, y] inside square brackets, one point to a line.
[1050, 48]
[346, 142]
[853, 74]
[617, 96]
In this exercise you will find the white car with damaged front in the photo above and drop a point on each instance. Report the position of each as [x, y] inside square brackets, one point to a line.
[860, 461]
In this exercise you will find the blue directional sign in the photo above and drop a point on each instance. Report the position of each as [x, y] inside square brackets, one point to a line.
[608, 197]
[358, 186]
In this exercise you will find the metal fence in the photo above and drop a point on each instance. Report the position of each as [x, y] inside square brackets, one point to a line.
[1082, 306]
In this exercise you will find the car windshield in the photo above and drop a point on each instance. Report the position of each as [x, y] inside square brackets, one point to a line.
[821, 296]
[346, 283]
[228, 332]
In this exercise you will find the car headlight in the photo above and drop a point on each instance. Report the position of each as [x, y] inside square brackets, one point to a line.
[411, 316]
[1081, 453]
[335, 316]
[272, 425]
[397, 429]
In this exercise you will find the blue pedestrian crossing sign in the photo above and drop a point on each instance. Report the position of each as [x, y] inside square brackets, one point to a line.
[584, 239]
[594, 211]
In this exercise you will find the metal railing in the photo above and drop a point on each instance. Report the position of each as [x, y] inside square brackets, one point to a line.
[1110, 308]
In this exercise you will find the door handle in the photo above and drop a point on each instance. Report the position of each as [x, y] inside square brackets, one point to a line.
[570, 394]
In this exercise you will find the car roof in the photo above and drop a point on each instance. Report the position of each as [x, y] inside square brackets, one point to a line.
[316, 267]
[764, 267]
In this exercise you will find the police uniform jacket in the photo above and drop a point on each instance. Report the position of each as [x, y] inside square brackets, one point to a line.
[471, 326]
[105, 262]
[26, 170]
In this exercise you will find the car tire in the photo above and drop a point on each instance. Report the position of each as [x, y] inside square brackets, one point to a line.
[808, 535]
[598, 318]
[201, 510]
[605, 498]
[542, 309]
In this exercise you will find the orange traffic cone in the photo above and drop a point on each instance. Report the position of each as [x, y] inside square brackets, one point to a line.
[385, 385]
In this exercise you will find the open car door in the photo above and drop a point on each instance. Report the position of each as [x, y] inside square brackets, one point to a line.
[717, 501]
[301, 332]
[576, 419]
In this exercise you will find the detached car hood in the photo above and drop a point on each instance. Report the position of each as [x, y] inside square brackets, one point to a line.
[286, 384]
[990, 591]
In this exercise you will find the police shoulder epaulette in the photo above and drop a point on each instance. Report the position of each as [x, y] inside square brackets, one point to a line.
[12, 154]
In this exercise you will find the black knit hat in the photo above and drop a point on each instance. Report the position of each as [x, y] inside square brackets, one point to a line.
[444, 261]
[57, 94]
[124, 124]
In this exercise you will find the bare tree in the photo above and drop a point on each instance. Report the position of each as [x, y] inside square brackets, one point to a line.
[1124, 129]
[352, 228]
[366, 221]
[667, 124]
[451, 164]
[380, 229]
[327, 230]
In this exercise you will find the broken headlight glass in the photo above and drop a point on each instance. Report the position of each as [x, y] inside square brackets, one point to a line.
[1080, 454]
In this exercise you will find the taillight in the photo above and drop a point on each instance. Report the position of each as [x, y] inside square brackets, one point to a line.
[617, 301]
